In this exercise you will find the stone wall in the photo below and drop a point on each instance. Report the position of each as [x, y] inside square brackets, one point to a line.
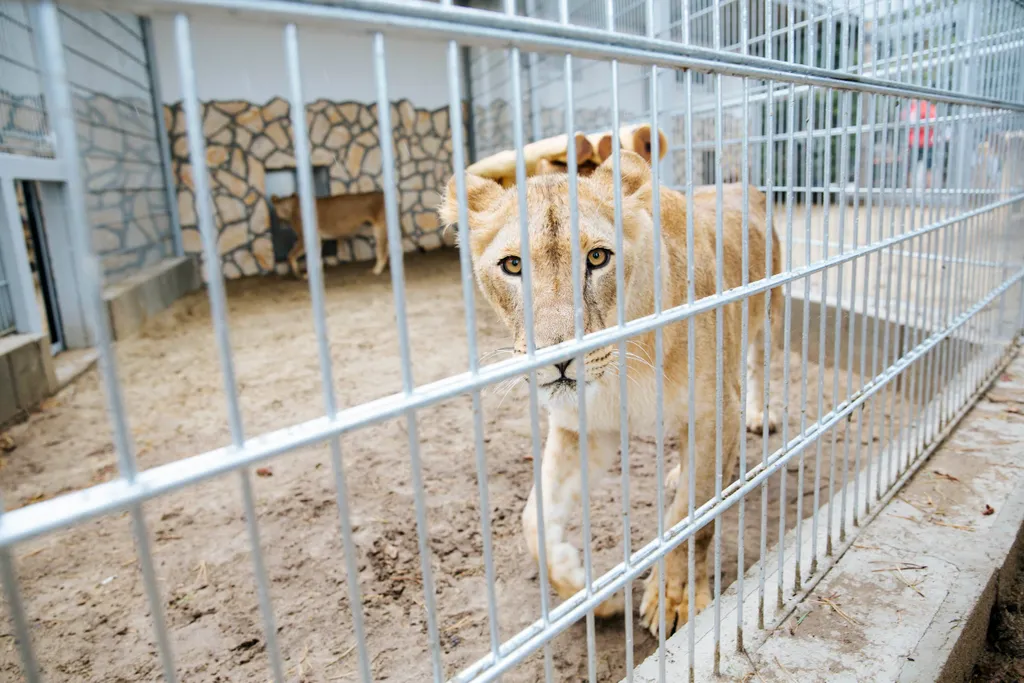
[124, 183]
[245, 141]
[121, 173]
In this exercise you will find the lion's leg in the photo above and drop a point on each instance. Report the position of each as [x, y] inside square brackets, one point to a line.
[380, 237]
[561, 484]
[677, 604]
[297, 250]
[755, 388]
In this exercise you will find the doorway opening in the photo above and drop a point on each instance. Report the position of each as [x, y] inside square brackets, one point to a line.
[38, 250]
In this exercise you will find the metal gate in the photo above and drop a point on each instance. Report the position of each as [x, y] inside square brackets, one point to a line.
[903, 123]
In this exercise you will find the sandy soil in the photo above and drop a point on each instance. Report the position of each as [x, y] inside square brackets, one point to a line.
[83, 588]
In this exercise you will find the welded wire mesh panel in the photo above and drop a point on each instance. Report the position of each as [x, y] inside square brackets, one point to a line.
[7, 323]
[23, 125]
[757, 337]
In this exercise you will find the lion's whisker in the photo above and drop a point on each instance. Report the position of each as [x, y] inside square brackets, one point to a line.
[495, 352]
[512, 385]
[641, 348]
[504, 384]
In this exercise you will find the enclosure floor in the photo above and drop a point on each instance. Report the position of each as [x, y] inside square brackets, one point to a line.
[83, 589]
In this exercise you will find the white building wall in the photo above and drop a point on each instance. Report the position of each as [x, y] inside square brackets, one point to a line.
[240, 60]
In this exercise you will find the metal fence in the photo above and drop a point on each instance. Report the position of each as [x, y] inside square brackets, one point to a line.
[7, 324]
[900, 280]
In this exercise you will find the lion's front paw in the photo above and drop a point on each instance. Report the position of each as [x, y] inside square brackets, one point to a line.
[755, 420]
[379, 268]
[677, 605]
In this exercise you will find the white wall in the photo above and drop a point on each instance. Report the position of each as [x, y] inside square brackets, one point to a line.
[245, 61]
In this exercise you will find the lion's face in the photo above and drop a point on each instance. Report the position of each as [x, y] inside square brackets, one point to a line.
[285, 207]
[497, 252]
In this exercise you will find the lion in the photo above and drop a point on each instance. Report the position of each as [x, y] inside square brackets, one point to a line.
[494, 244]
[337, 217]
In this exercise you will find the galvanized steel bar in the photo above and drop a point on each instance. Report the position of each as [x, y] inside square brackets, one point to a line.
[314, 269]
[218, 311]
[396, 249]
[63, 123]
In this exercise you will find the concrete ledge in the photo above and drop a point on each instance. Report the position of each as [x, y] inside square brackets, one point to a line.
[858, 617]
[134, 300]
[26, 374]
[900, 335]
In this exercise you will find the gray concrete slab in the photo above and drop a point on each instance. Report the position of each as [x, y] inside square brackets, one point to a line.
[134, 300]
[8, 398]
[27, 375]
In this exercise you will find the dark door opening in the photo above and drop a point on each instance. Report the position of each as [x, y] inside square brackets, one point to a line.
[42, 266]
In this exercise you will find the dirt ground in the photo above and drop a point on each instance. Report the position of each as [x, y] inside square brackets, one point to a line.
[82, 587]
[1003, 659]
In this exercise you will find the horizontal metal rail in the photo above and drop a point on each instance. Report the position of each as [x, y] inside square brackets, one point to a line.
[39, 518]
[475, 27]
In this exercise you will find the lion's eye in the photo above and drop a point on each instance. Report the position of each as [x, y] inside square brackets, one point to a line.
[598, 258]
[511, 265]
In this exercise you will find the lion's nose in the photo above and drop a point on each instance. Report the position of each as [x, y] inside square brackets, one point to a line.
[562, 367]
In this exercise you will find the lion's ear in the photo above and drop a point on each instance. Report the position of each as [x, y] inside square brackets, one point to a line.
[634, 170]
[481, 195]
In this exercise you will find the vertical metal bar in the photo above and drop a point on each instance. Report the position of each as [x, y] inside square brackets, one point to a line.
[1005, 93]
[63, 122]
[964, 67]
[314, 267]
[742, 426]
[768, 343]
[469, 303]
[929, 426]
[788, 309]
[857, 162]
[578, 332]
[16, 610]
[950, 233]
[925, 400]
[928, 380]
[865, 318]
[163, 141]
[844, 159]
[888, 393]
[822, 319]
[621, 319]
[719, 342]
[809, 122]
[691, 401]
[877, 402]
[978, 251]
[408, 385]
[926, 201]
[218, 311]
[515, 76]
